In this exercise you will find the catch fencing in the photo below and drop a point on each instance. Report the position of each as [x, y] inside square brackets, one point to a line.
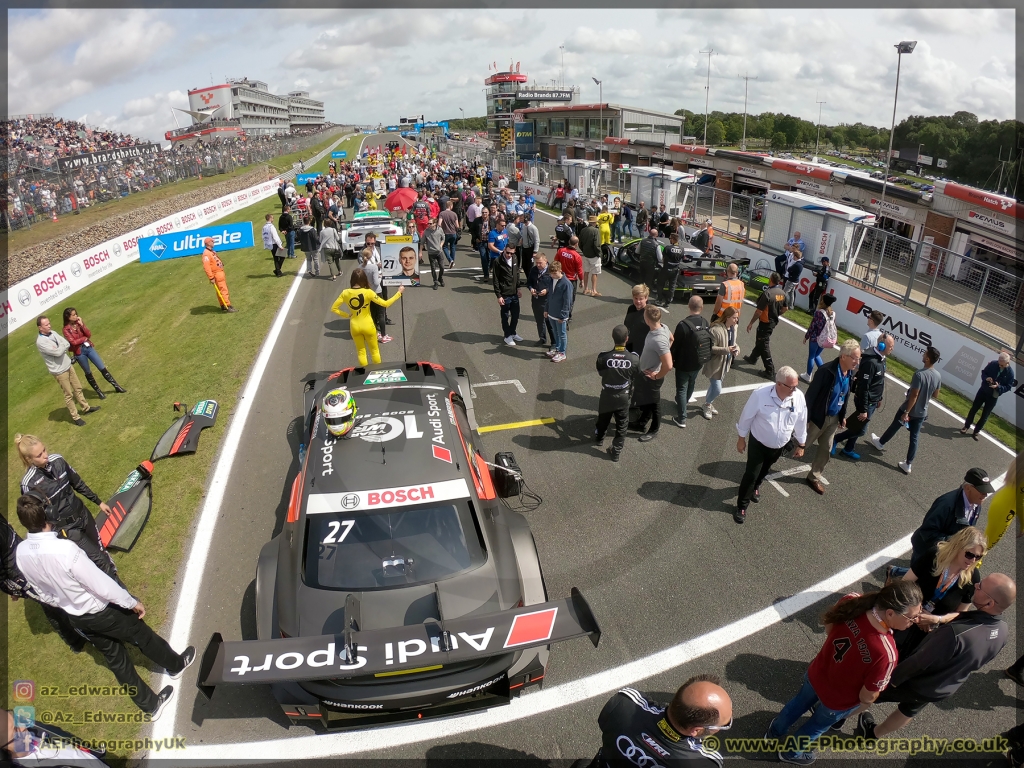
[122, 178]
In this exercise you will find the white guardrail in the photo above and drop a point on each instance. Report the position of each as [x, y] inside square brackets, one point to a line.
[29, 298]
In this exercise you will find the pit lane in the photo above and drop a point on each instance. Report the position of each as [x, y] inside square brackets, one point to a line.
[650, 540]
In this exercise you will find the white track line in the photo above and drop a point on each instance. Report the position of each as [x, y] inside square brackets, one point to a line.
[559, 696]
[195, 566]
[202, 537]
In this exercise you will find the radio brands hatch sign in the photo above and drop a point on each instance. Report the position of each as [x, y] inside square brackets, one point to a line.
[227, 237]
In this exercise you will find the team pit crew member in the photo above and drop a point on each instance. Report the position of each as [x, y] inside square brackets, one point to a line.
[51, 480]
[868, 390]
[638, 732]
[214, 269]
[619, 370]
[672, 257]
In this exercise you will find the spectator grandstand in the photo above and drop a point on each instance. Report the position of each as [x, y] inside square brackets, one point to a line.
[42, 182]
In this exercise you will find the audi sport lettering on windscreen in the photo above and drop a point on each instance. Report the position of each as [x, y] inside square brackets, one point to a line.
[396, 648]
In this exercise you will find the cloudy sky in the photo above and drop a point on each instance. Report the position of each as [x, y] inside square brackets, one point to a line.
[125, 69]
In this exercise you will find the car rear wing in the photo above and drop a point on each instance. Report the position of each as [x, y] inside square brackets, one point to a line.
[360, 653]
[129, 510]
[182, 437]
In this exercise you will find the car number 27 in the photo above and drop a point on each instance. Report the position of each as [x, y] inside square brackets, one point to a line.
[336, 526]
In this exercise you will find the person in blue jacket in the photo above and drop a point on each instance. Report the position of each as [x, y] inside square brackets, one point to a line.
[557, 314]
[996, 379]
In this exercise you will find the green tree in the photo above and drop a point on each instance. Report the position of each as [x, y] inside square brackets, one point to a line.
[779, 140]
[716, 132]
[838, 138]
[734, 128]
[765, 126]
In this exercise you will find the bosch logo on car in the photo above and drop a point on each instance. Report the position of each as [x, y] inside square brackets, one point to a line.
[399, 496]
[49, 283]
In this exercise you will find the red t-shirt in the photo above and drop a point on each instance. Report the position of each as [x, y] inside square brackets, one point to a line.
[855, 655]
[572, 263]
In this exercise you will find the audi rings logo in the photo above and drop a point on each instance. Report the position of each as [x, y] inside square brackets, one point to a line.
[617, 363]
[24, 297]
[350, 501]
[76, 268]
[634, 754]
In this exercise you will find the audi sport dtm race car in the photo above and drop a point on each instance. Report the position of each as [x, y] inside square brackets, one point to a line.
[380, 223]
[698, 275]
[400, 586]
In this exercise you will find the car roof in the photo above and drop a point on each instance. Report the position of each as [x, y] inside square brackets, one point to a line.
[404, 435]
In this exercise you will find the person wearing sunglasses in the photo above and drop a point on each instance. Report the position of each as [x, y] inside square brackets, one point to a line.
[944, 660]
[638, 731]
[851, 669]
[947, 573]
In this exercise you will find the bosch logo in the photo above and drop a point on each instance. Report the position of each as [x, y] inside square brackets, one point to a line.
[130, 244]
[209, 209]
[92, 261]
[76, 270]
[24, 297]
[350, 501]
[164, 228]
[187, 218]
[51, 282]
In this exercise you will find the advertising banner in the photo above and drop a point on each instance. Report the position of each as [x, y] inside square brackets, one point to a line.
[302, 178]
[339, 154]
[103, 157]
[174, 245]
[962, 358]
[30, 297]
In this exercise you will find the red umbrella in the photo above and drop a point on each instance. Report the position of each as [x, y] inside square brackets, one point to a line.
[401, 199]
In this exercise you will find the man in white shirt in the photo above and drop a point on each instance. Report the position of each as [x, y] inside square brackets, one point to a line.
[774, 414]
[63, 576]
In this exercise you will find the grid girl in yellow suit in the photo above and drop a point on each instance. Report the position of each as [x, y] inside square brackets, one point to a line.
[358, 299]
[1005, 506]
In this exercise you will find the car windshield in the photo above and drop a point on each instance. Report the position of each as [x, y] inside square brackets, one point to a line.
[358, 551]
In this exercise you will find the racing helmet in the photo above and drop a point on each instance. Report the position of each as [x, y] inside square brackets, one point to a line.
[339, 409]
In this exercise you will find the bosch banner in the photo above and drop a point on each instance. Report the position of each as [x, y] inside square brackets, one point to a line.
[226, 237]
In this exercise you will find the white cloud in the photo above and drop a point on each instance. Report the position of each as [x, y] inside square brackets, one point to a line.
[58, 55]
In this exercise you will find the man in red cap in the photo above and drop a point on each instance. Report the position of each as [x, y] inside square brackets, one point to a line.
[215, 271]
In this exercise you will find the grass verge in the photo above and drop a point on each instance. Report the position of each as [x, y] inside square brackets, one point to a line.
[999, 428]
[160, 331]
[68, 223]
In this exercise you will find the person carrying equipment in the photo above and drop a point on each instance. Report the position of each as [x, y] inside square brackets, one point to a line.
[339, 410]
[214, 268]
[358, 298]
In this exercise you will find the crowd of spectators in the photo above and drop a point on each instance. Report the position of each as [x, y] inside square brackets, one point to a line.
[37, 190]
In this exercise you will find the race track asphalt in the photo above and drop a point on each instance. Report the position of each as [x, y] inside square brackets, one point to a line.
[650, 540]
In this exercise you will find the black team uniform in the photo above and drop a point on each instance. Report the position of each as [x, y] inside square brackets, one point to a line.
[619, 370]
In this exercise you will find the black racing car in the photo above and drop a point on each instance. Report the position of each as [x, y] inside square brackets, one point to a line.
[400, 586]
[699, 274]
